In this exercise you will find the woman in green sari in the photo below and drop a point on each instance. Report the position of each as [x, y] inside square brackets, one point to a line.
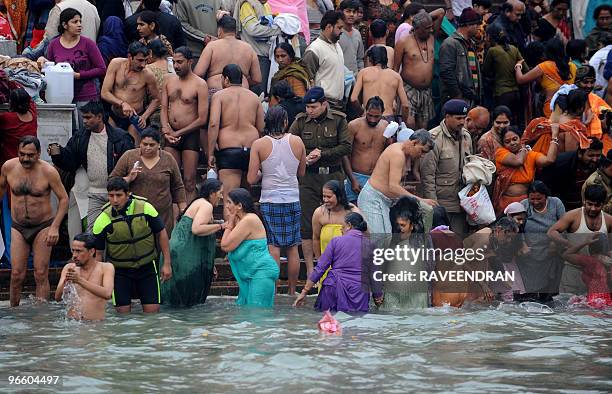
[193, 248]
[291, 70]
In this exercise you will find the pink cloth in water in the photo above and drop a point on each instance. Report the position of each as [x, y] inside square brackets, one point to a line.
[295, 7]
[329, 324]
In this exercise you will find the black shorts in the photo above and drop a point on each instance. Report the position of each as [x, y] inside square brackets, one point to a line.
[189, 141]
[144, 280]
[233, 158]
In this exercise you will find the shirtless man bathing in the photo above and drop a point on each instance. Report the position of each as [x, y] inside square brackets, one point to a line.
[34, 226]
[384, 185]
[368, 144]
[125, 85]
[378, 80]
[236, 120]
[93, 280]
[184, 111]
[227, 50]
[415, 55]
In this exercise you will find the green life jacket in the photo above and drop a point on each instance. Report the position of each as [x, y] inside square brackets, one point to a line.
[131, 242]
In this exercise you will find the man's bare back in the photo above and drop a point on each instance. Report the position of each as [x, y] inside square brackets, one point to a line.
[416, 61]
[385, 83]
[238, 114]
[219, 53]
[391, 166]
[30, 191]
[368, 145]
[183, 99]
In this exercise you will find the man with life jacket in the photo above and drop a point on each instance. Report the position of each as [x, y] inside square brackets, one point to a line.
[130, 230]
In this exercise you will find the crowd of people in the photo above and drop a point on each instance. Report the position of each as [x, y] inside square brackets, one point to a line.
[323, 126]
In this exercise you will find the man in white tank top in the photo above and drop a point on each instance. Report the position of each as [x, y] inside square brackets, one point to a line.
[588, 219]
[277, 159]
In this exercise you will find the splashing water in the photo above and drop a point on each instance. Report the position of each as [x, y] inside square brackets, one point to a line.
[71, 298]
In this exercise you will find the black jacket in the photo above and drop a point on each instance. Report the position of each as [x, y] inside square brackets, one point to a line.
[74, 154]
[566, 186]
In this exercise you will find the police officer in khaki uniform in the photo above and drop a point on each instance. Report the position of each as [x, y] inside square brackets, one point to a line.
[442, 167]
[326, 137]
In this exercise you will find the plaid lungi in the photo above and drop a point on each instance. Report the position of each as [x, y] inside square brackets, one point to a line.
[282, 223]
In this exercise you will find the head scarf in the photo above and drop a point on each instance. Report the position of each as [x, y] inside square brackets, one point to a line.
[112, 42]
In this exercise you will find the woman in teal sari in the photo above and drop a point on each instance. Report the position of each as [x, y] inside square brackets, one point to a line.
[192, 248]
[245, 241]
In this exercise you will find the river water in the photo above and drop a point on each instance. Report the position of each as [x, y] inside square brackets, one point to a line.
[219, 347]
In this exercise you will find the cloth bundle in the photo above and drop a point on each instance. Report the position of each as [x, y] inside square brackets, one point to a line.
[477, 169]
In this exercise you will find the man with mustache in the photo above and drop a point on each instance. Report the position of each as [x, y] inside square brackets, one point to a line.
[125, 85]
[34, 226]
[93, 280]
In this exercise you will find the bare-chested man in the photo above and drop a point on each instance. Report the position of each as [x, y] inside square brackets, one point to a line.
[34, 226]
[228, 50]
[125, 85]
[378, 80]
[368, 144]
[415, 55]
[385, 185]
[184, 112]
[93, 280]
[236, 120]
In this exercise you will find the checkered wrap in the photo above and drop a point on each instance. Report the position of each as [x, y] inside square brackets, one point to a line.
[282, 222]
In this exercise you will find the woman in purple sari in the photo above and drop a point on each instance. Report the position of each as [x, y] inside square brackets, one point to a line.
[342, 289]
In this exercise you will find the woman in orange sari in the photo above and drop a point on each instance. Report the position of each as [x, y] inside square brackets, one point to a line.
[569, 109]
[516, 166]
[554, 72]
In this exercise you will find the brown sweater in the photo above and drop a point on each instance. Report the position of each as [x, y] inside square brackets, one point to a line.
[161, 185]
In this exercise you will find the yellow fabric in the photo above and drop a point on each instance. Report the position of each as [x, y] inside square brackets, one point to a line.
[597, 104]
[247, 11]
[328, 232]
[551, 81]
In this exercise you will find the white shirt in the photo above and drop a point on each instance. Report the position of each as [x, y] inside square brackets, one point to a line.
[598, 61]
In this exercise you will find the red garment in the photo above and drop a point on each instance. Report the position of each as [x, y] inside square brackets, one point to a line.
[37, 37]
[5, 28]
[595, 278]
[11, 131]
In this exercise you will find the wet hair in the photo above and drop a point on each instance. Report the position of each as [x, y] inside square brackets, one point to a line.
[423, 137]
[87, 238]
[209, 187]
[233, 73]
[158, 49]
[152, 5]
[275, 121]
[243, 197]
[420, 19]
[576, 49]
[185, 51]
[138, 48]
[513, 129]
[30, 139]
[149, 17]
[227, 24]
[331, 18]
[533, 53]
[440, 217]
[555, 51]
[507, 224]
[378, 56]
[19, 101]
[338, 189]
[93, 107]
[601, 245]
[117, 183]
[411, 10]
[595, 193]
[350, 5]
[285, 46]
[576, 102]
[407, 208]
[501, 110]
[375, 102]
[595, 144]
[498, 36]
[282, 89]
[150, 132]
[378, 28]
[483, 3]
[65, 17]
[603, 7]
[539, 187]
[356, 221]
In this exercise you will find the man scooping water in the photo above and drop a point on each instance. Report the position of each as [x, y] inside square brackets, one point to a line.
[92, 280]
